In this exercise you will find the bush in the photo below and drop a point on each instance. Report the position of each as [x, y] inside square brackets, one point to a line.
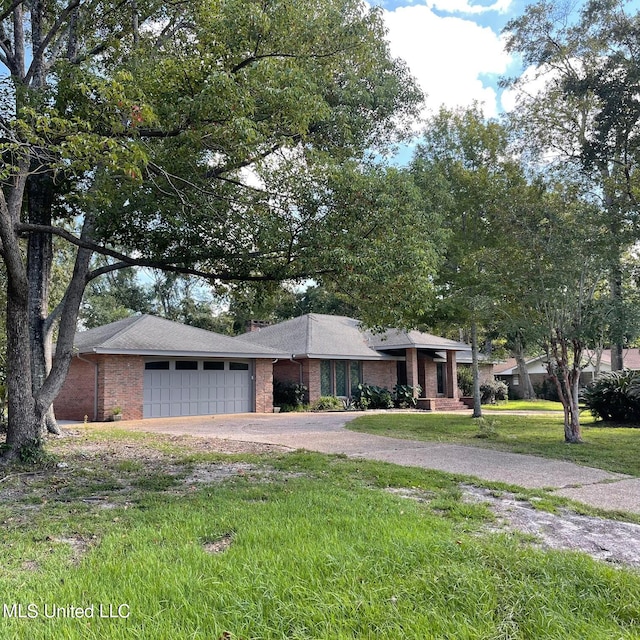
[405, 396]
[368, 396]
[289, 394]
[327, 403]
[547, 390]
[465, 380]
[493, 391]
[614, 396]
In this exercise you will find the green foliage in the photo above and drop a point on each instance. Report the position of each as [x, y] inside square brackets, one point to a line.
[405, 396]
[326, 403]
[493, 391]
[614, 397]
[465, 380]
[289, 394]
[368, 396]
[547, 390]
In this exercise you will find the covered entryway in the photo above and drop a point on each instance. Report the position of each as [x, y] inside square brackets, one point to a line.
[174, 388]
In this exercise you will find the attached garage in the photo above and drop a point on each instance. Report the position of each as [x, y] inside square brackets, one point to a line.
[196, 387]
[149, 367]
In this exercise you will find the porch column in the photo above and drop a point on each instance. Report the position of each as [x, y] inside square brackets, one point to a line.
[452, 375]
[412, 369]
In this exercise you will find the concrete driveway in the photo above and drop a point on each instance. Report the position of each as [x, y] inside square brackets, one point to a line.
[326, 433]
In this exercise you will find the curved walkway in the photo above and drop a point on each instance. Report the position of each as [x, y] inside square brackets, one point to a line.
[326, 433]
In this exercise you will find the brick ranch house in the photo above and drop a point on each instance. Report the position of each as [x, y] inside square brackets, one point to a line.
[147, 367]
[330, 355]
[151, 367]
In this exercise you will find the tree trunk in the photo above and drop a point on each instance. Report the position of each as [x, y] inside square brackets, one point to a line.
[526, 388]
[39, 263]
[477, 406]
[25, 425]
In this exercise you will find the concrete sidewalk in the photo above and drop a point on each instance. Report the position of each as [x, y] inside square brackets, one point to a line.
[326, 433]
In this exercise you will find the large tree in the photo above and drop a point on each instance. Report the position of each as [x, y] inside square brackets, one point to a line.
[579, 107]
[191, 137]
[470, 156]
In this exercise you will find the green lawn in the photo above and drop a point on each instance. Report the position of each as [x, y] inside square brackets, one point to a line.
[525, 405]
[613, 449]
[307, 546]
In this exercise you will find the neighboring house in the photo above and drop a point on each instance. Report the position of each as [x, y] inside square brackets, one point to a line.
[508, 371]
[331, 355]
[151, 367]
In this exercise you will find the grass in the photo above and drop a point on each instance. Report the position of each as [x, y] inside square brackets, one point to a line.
[308, 546]
[613, 449]
[526, 405]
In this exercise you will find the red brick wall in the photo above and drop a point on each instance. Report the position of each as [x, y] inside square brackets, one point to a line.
[120, 384]
[452, 375]
[311, 378]
[430, 379]
[76, 399]
[264, 386]
[287, 371]
[381, 373]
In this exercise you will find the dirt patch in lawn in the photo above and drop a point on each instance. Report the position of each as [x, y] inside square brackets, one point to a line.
[603, 539]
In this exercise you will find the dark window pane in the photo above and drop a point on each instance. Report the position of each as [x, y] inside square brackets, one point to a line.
[238, 366]
[355, 375]
[441, 378]
[155, 366]
[186, 365]
[341, 377]
[213, 366]
[326, 386]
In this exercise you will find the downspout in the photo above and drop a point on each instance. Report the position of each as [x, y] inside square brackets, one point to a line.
[95, 386]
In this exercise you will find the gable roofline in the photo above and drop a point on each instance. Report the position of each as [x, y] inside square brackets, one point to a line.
[148, 335]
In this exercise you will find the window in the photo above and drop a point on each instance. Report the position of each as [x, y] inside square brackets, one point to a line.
[157, 366]
[186, 365]
[340, 367]
[207, 365]
[355, 375]
[238, 366]
[339, 377]
[326, 378]
[515, 381]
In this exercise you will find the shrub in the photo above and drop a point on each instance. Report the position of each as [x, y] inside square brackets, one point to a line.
[368, 396]
[547, 390]
[289, 394]
[326, 403]
[465, 380]
[405, 396]
[614, 396]
[493, 391]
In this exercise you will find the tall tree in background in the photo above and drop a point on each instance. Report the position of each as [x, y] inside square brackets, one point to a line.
[587, 114]
[189, 137]
[469, 156]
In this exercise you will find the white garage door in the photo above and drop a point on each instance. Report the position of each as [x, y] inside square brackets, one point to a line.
[192, 388]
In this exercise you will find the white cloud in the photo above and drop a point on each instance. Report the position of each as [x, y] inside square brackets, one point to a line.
[448, 55]
[464, 6]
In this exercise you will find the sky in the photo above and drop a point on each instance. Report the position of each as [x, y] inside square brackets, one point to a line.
[454, 48]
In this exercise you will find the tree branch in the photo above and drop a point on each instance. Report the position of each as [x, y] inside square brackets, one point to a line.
[38, 55]
[163, 265]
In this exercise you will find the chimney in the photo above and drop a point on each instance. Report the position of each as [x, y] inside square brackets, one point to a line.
[256, 325]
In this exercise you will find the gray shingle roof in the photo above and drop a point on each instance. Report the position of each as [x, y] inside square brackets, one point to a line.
[397, 339]
[323, 336]
[150, 335]
[316, 335]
